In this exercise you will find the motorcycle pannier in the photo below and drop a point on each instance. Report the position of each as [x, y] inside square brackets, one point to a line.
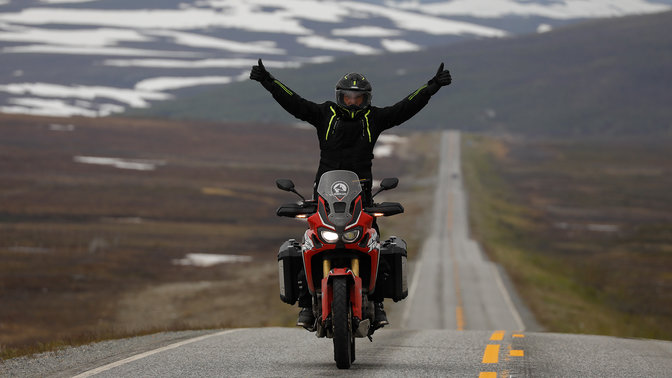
[393, 269]
[290, 264]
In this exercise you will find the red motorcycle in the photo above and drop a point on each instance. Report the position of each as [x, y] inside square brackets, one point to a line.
[342, 259]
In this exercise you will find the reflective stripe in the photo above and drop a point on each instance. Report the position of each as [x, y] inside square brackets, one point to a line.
[285, 88]
[332, 118]
[416, 92]
[368, 129]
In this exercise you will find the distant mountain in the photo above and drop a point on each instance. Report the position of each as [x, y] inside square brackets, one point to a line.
[600, 77]
[100, 57]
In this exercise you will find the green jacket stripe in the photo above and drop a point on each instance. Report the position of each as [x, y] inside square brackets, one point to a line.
[285, 88]
[330, 121]
[416, 92]
[368, 128]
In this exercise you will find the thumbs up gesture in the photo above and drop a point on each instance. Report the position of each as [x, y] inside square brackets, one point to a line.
[442, 77]
[259, 73]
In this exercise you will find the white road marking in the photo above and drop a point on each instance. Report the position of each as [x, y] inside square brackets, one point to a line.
[507, 299]
[151, 352]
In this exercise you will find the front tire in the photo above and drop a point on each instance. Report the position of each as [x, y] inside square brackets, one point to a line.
[341, 312]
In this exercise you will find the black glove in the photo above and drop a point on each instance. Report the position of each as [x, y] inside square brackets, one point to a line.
[442, 78]
[260, 74]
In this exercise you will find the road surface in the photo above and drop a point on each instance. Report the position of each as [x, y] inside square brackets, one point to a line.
[454, 286]
[460, 319]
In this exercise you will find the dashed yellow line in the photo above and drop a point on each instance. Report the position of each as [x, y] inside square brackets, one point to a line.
[497, 335]
[491, 355]
[459, 314]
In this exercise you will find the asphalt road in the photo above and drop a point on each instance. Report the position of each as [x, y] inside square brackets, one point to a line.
[454, 286]
[461, 319]
[281, 352]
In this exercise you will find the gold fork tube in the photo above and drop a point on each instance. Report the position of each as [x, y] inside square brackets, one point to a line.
[355, 266]
[326, 267]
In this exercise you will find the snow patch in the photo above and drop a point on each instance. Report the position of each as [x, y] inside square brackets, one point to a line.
[82, 38]
[544, 28]
[59, 108]
[134, 98]
[211, 63]
[92, 50]
[167, 83]
[59, 127]
[399, 45]
[204, 260]
[427, 24]
[365, 31]
[134, 164]
[239, 17]
[566, 9]
[197, 40]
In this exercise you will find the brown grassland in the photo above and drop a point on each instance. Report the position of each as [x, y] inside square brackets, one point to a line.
[584, 227]
[88, 250]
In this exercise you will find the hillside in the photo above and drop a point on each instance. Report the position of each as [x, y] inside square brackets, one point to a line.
[600, 77]
[96, 58]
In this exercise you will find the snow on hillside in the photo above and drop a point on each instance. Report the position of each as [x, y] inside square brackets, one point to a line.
[567, 9]
[98, 57]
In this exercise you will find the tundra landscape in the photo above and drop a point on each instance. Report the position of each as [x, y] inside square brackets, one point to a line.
[114, 227]
[129, 207]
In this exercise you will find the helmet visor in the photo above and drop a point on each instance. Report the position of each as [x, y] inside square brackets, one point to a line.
[350, 98]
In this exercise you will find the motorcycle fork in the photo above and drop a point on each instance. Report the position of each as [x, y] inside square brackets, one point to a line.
[355, 287]
[354, 267]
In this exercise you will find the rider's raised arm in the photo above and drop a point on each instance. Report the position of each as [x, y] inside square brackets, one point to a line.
[410, 105]
[293, 103]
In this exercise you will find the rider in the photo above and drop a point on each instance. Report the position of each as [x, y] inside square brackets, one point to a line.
[347, 131]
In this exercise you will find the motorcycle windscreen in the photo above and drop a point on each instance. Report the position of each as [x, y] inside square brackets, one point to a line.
[339, 189]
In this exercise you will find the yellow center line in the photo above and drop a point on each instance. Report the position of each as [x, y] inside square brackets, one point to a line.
[459, 314]
[518, 335]
[487, 374]
[517, 353]
[459, 310]
[497, 335]
[491, 355]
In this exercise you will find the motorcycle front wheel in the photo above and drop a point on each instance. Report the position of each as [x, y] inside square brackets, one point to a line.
[341, 312]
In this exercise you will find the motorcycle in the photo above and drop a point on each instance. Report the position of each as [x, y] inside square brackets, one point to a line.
[341, 259]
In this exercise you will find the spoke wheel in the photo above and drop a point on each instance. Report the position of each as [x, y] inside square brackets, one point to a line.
[341, 312]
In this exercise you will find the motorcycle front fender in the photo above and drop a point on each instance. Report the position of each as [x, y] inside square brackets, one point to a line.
[355, 292]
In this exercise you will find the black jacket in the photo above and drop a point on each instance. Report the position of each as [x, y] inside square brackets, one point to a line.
[346, 139]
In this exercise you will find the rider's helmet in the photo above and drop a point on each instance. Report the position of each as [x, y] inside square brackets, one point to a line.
[352, 86]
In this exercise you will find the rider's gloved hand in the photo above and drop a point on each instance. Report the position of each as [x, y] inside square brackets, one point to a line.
[442, 78]
[260, 74]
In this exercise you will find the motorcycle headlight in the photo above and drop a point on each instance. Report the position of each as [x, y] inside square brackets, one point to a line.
[351, 236]
[329, 236]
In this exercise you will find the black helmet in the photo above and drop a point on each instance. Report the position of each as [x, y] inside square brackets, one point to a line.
[353, 84]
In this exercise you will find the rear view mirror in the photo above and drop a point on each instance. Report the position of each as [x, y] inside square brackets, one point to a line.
[285, 184]
[288, 186]
[389, 183]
